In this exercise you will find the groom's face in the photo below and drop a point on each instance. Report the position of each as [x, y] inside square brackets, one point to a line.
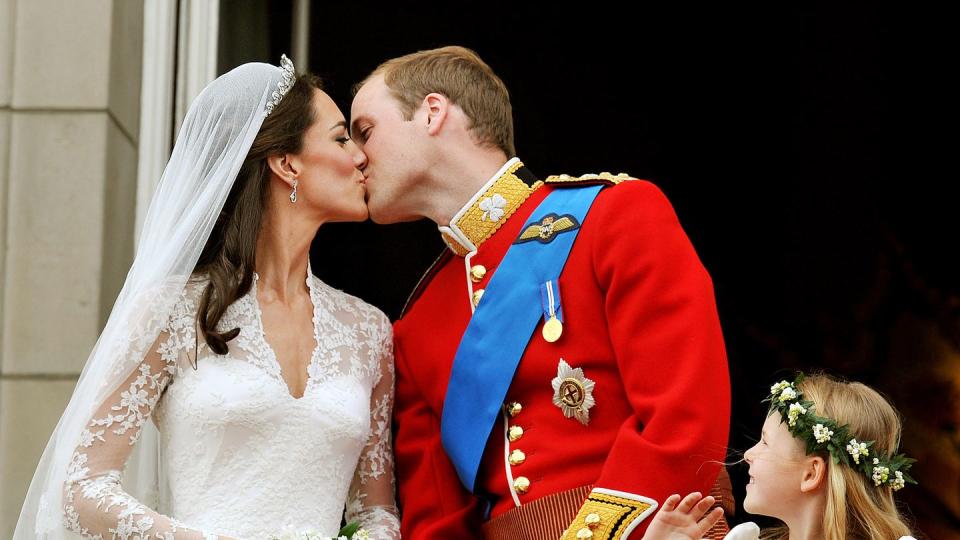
[391, 145]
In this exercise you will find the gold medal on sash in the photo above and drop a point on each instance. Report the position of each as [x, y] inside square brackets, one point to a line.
[552, 329]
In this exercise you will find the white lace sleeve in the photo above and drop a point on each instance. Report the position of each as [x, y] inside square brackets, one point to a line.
[371, 501]
[95, 504]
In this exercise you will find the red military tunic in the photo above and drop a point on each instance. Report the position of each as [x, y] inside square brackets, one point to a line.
[640, 321]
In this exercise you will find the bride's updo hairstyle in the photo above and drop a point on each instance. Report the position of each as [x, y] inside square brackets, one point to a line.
[227, 259]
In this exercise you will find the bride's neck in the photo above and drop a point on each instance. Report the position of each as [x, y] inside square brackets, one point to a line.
[283, 249]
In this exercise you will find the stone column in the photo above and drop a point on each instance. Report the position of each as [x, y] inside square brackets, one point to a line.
[69, 119]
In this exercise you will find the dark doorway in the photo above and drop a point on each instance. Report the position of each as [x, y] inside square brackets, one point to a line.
[788, 142]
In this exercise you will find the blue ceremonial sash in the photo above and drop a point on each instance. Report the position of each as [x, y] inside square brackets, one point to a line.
[502, 325]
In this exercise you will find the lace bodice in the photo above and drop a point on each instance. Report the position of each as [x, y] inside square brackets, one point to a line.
[241, 457]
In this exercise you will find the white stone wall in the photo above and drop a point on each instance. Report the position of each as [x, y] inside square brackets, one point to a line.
[69, 119]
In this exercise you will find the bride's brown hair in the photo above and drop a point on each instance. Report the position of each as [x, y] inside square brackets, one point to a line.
[228, 257]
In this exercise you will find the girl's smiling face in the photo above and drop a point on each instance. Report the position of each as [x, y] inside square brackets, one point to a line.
[776, 470]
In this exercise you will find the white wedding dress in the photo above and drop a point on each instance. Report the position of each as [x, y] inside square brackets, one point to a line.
[240, 456]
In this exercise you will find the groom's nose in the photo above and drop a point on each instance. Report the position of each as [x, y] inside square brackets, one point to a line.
[359, 158]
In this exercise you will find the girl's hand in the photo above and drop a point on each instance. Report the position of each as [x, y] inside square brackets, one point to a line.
[683, 521]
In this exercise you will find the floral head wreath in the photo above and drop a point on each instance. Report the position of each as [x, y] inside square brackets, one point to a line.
[820, 433]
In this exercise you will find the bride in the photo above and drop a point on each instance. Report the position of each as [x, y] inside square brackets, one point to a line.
[271, 391]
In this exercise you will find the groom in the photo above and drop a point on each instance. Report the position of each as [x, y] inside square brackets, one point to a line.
[560, 368]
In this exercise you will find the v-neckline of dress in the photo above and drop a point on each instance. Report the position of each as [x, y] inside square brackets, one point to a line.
[269, 348]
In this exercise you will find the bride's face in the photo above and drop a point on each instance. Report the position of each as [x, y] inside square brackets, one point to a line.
[329, 166]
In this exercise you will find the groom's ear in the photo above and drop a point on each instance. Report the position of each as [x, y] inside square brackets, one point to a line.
[436, 107]
[283, 166]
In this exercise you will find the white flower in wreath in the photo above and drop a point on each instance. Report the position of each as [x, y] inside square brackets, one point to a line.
[857, 449]
[898, 481]
[788, 394]
[777, 388]
[573, 392]
[822, 433]
[880, 473]
[493, 207]
[795, 411]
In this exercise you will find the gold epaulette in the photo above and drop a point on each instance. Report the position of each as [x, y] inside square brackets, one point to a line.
[609, 515]
[602, 178]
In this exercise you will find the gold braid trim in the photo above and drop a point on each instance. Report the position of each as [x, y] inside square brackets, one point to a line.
[607, 517]
[477, 224]
[602, 178]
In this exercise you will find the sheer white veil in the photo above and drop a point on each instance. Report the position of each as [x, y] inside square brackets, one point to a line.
[213, 142]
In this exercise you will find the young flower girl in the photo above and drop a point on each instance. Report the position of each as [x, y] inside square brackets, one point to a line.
[826, 466]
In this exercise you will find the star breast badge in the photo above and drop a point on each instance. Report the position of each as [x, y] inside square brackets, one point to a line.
[546, 229]
[573, 392]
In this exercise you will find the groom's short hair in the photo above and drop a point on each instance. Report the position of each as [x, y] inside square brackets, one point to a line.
[459, 74]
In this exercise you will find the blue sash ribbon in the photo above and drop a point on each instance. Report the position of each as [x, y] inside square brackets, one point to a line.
[501, 328]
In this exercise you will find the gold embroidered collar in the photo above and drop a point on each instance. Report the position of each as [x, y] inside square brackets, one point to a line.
[487, 210]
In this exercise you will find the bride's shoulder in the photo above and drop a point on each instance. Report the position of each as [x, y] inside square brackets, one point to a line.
[193, 287]
[166, 292]
[174, 298]
[349, 305]
[186, 291]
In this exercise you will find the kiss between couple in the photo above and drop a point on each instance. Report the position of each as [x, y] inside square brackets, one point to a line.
[559, 372]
